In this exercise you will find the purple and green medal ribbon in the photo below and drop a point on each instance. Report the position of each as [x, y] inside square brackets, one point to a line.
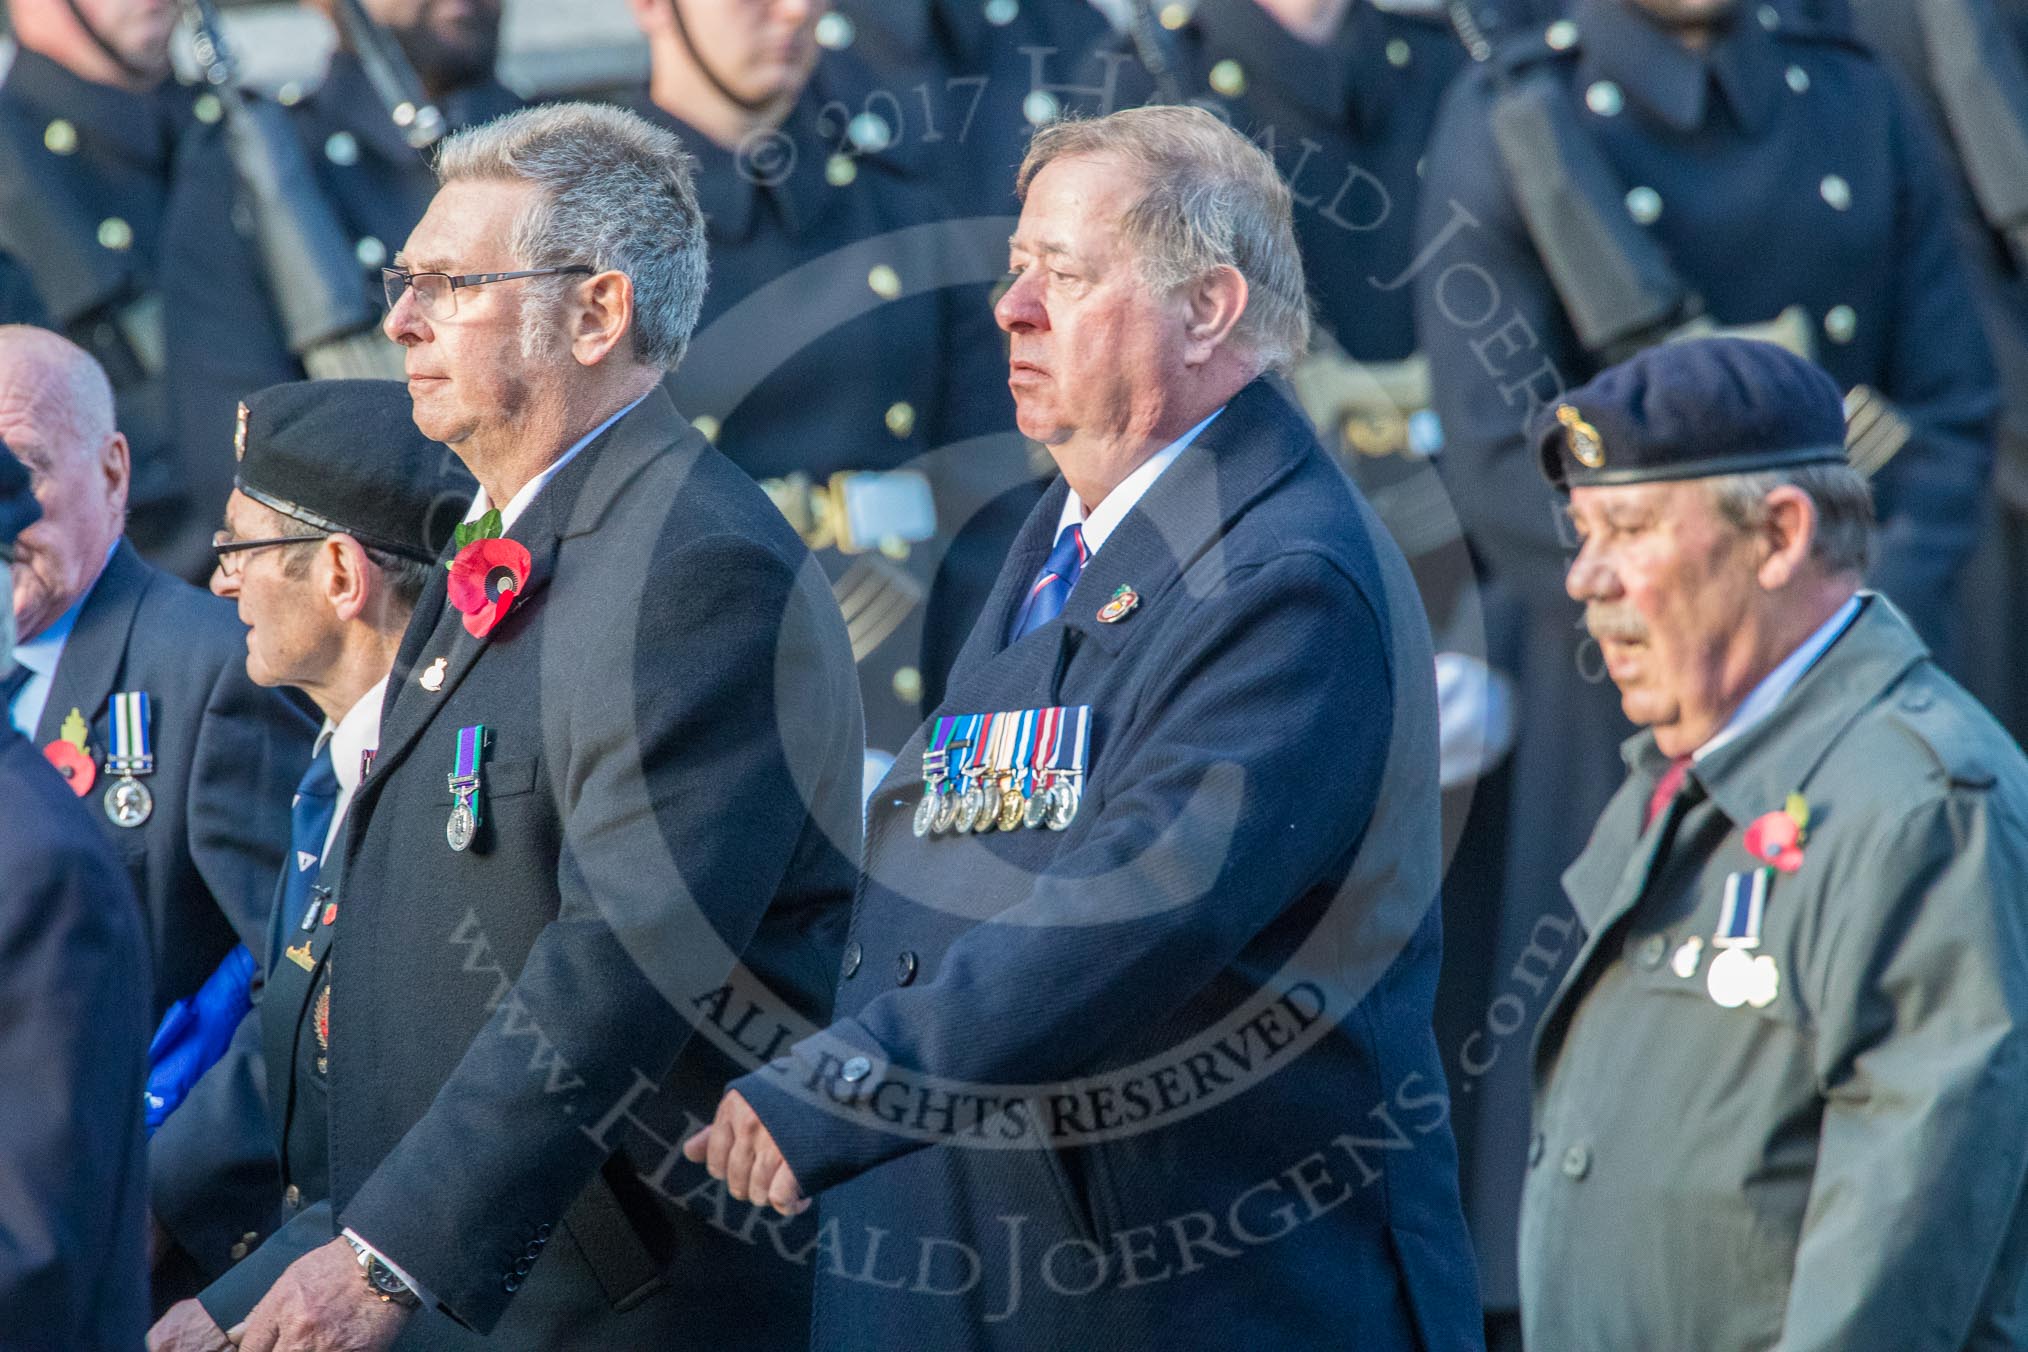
[465, 776]
[936, 759]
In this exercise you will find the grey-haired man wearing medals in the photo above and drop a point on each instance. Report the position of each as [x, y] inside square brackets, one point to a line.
[1779, 1096]
[134, 684]
[1183, 785]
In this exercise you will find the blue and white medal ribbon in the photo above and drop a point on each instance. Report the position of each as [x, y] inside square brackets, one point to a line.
[128, 802]
[1066, 793]
[1738, 976]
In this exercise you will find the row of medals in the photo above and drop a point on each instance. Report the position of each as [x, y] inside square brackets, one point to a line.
[982, 806]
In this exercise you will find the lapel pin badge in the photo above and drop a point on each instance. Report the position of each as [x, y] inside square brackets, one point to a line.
[432, 680]
[1124, 602]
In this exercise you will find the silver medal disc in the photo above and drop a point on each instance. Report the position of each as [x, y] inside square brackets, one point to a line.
[947, 812]
[926, 813]
[988, 812]
[128, 802]
[1063, 801]
[1765, 982]
[1731, 978]
[1036, 810]
[460, 829]
[969, 805]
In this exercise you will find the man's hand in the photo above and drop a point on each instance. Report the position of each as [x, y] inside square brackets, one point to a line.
[185, 1327]
[738, 1148]
[322, 1304]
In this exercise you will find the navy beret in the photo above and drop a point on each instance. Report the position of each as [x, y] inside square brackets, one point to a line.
[18, 507]
[1689, 410]
[345, 455]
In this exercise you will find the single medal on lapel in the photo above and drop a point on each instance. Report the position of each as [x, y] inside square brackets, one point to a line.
[1067, 794]
[936, 759]
[465, 775]
[128, 802]
[1738, 976]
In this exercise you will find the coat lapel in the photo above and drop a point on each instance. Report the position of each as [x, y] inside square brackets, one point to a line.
[572, 503]
[96, 650]
[1258, 440]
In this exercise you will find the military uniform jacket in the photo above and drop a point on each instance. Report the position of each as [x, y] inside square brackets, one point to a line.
[227, 755]
[670, 798]
[73, 1051]
[1259, 818]
[1788, 149]
[376, 185]
[848, 327]
[1843, 1167]
[89, 176]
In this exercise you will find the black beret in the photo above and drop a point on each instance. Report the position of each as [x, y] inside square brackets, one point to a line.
[1689, 410]
[18, 507]
[345, 455]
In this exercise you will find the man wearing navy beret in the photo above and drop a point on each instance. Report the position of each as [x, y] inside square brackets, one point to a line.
[73, 1027]
[1779, 1093]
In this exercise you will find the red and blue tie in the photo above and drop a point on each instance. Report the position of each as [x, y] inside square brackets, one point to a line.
[1052, 586]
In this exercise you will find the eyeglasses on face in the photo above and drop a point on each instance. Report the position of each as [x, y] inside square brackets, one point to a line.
[436, 293]
[232, 553]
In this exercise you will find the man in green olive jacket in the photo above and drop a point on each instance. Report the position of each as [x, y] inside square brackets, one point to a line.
[1782, 1095]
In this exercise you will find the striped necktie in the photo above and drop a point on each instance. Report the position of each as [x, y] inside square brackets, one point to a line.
[1045, 598]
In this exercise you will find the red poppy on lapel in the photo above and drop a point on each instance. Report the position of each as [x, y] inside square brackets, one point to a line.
[1777, 837]
[74, 764]
[486, 576]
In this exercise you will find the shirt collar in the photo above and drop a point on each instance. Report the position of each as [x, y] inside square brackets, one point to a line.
[1781, 680]
[1670, 80]
[519, 502]
[357, 733]
[1101, 520]
[41, 653]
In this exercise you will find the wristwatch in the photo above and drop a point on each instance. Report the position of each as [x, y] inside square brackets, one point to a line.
[381, 1280]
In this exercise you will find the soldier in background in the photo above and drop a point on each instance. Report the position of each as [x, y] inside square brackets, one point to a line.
[1592, 188]
[243, 263]
[835, 361]
[89, 132]
[1967, 61]
[974, 78]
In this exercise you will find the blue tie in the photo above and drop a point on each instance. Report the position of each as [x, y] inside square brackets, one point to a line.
[309, 822]
[1045, 599]
[195, 1031]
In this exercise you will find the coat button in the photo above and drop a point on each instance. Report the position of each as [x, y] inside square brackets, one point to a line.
[1535, 1150]
[855, 1070]
[1605, 99]
[522, 1265]
[904, 968]
[238, 1251]
[1577, 1161]
[292, 1197]
[542, 1231]
[510, 1283]
[853, 953]
[1652, 950]
[533, 1251]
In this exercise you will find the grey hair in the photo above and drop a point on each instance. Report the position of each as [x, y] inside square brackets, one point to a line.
[1212, 199]
[1844, 538]
[71, 399]
[617, 194]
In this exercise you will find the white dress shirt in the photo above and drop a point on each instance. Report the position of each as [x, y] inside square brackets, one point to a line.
[40, 656]
[518, 504]
[350, 738]
[1782, 679]
[1100, 522]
